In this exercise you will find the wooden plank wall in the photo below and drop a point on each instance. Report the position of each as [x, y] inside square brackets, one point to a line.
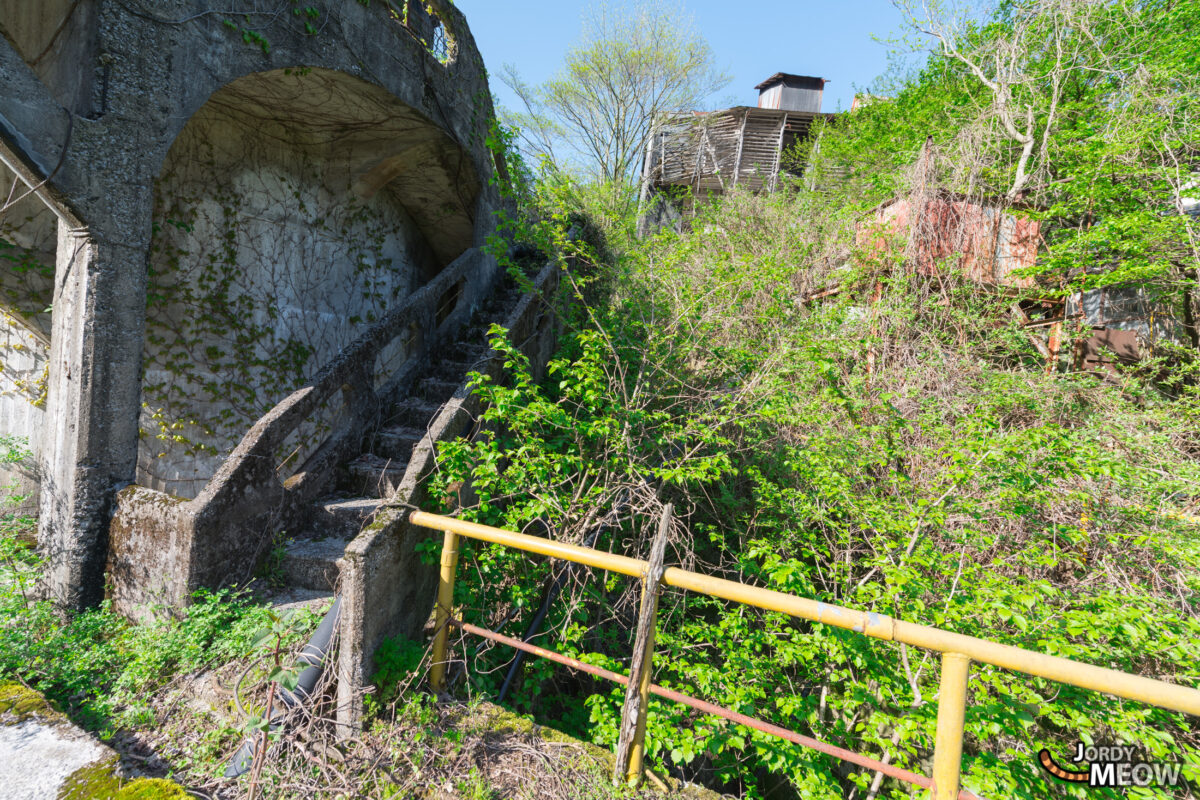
[713, 152]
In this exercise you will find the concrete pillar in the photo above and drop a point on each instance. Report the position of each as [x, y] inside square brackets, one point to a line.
[89, 444]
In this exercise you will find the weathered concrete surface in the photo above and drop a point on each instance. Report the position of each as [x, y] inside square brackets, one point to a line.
[95, 96]
[293, 209]
[150, 539]
[36, 759]
[162, 549]
[54, 37]
[43, 756]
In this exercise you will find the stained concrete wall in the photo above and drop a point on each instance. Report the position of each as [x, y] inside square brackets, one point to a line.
[271, 253]
[28, 237]
[90, 126]
[163, 549]
[55, 38]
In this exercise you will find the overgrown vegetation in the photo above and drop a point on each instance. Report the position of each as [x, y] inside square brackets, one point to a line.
[826, 420]
[176, 697]
[103, 670]
[896, 446]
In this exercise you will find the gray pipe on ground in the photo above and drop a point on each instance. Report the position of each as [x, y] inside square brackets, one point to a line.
[313, 656]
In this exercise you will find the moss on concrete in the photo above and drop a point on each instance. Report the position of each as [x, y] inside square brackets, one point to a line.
[20, 703]
[96, 780]
[99, 781]
[152, 789]
[493, 718]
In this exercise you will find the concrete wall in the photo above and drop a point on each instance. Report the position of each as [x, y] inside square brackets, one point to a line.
[56, 38]
[162, 548]
[22, 381]
[28, 237]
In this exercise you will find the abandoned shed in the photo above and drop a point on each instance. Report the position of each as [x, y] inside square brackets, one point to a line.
[710, 152]
[993, 244]
[943, 230]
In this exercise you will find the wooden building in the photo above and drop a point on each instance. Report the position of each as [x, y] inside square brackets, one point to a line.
[704, 152]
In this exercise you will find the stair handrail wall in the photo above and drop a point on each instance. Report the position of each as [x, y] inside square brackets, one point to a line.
[958, 650]
[350, 371]
[246, 487]
[383, 579]
[163, 548]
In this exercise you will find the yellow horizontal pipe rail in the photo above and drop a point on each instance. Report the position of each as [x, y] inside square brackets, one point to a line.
[868, 622]
[533, 544]
[880, 626]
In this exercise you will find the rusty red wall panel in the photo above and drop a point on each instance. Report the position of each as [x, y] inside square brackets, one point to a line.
[990, 243]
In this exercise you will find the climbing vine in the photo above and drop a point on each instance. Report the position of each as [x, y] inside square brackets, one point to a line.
[422, 19]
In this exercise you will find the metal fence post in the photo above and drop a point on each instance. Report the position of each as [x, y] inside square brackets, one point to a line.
[631, 746]
[952, 704]
[445, 602]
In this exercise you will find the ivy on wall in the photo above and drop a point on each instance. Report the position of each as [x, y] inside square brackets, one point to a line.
[264, 264]
[422, 19]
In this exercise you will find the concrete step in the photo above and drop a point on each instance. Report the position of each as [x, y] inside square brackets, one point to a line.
[375, 476]
[312, 563]
[297, 598]
[338, 517]
[414, 413]
[437, 390]
[460, 351]
[455, 371]
[397, 442]
[499, 306]
[342, 517]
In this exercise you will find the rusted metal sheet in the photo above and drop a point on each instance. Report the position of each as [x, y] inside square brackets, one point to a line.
[985, 242]
[1106, 349]
[1121, 324]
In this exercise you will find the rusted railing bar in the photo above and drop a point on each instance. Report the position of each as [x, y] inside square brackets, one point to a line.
[865, 762]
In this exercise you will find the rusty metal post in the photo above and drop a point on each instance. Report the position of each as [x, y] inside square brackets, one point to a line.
[445, 602]
[631, 745]
[1053, 345]
[952, 705]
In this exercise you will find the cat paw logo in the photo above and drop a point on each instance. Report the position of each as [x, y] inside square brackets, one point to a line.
[1110, 766]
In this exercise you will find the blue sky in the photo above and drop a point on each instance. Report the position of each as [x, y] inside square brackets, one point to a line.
[752, 40]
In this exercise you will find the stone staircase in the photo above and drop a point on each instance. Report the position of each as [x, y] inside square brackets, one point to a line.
[309, 563]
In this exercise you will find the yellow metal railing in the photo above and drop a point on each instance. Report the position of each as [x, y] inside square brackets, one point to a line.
[958, 650]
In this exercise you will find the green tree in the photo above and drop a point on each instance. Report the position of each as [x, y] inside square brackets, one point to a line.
[635, 65]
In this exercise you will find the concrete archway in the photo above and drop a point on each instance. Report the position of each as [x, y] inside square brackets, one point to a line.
[294, 208]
